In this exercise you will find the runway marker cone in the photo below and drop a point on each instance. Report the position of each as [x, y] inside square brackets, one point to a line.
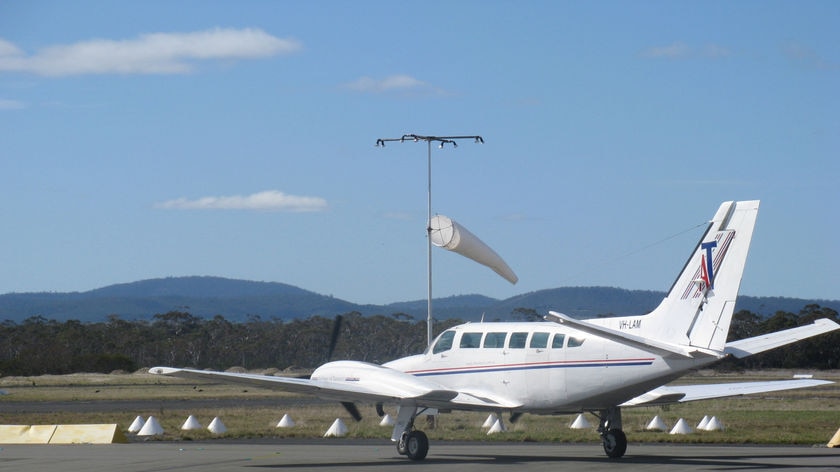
[337, 429]
[580, 423]
[286, 422]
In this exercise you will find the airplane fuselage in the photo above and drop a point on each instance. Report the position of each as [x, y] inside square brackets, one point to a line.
[545, 367]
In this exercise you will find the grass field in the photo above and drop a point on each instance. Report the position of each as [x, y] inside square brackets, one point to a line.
[806, 416]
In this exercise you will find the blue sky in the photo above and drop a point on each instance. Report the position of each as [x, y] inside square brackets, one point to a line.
[236, 139]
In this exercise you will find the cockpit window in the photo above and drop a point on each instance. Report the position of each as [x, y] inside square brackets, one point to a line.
[575, 342]
[495, 340]
[539, 340]
[557, 342]
[470, 340]
[444, 343]
[517, 340]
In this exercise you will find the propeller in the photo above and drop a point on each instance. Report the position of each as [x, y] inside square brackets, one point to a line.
[353, 410]
[336, 330]
[514, 417]
[334, 336]
[351, 407]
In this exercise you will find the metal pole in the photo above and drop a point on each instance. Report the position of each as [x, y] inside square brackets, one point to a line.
[429, 319]
[442, 140]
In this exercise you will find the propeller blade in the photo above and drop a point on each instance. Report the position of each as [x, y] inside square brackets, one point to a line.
[353, 410]
[514, 417]
[334, 336]
[379, 410]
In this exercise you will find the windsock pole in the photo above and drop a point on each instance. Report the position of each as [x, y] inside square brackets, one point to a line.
[442, 140]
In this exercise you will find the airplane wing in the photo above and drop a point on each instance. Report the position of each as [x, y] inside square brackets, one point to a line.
[352, 381]
[686, 393]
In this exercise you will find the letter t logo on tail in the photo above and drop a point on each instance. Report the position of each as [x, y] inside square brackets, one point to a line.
[706, 267]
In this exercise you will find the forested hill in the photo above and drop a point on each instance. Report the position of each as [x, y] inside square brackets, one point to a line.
[239, 300]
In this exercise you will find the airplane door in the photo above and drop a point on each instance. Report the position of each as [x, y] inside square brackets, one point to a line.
[557, 372]
[586, 364]
[543, 377]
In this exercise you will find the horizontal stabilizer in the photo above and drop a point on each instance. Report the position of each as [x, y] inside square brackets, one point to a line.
[687, 393]
[649, 345]
[747, 347]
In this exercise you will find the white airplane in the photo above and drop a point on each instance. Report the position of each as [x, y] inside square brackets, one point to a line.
[564, 365]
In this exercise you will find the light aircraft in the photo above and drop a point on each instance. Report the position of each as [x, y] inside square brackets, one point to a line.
[564, 365]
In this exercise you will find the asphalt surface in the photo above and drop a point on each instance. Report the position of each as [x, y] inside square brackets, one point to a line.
[375, 455]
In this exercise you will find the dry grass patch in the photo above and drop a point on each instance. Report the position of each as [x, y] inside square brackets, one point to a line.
[808, 416]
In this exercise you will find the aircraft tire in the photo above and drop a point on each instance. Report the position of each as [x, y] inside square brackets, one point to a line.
[417, 445]
[615, 443]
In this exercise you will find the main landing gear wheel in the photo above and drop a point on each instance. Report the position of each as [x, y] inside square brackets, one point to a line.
[414, 444]
[615, 443]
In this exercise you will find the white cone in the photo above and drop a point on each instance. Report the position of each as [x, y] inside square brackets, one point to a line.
[714, 424]
[151, 427]
[490, 421]
[387, 420]
[216, 426]
[136, 425]
[191, 423]
[835, 440]
[681, 427]
[337, 429]
[657, 424]
[702, 424]
[498, 427]
[580, 423]
[286, 422]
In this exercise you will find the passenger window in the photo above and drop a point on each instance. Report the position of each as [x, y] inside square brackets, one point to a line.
[444, 343]
[575, 342]
[517, 340]
[470, 340]
[539, 340]
[495, 340]
[557, 342]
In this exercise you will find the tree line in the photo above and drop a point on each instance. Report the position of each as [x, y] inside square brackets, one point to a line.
[39, 346]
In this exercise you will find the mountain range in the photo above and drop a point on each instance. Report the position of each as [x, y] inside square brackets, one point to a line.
[238, 300]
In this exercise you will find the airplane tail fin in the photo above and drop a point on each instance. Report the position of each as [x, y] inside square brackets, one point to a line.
[699, 306]
[693, 320]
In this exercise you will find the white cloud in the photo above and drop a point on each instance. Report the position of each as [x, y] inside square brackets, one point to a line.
[6, 104]
[680, 50]
[157, 53]
[803, 54]
[715, 51]
[672, 51]
[393, 83]
[8, 49]
[269, 200]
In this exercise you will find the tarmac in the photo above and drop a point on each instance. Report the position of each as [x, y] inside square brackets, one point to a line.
[380, 455]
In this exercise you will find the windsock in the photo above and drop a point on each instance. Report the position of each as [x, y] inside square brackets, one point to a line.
[448, 234]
